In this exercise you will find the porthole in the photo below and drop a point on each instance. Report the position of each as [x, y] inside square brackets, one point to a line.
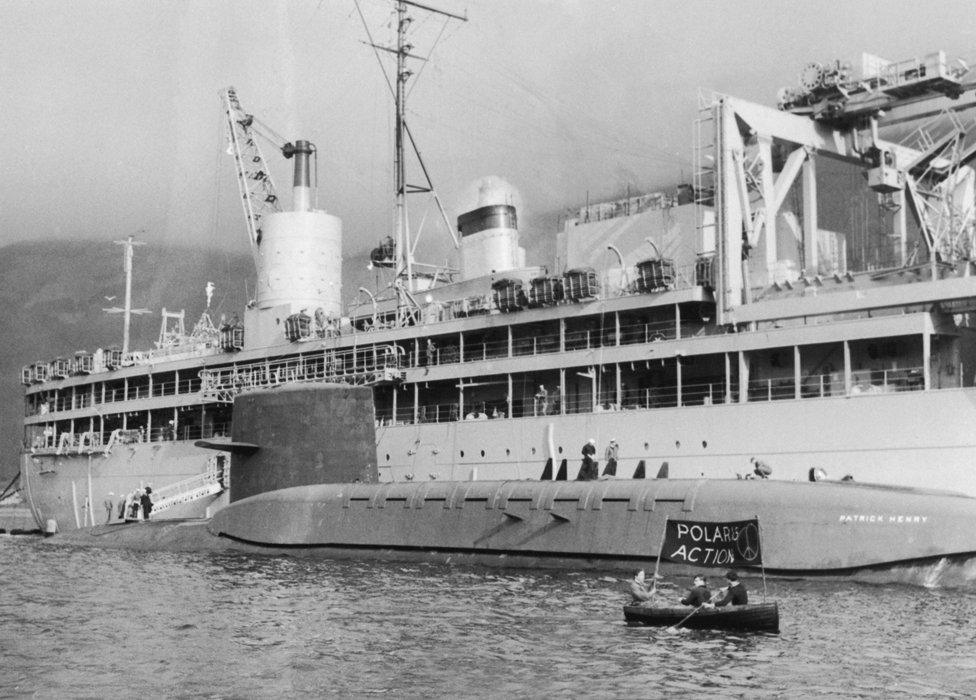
[509, 452]
[646, 446]
[533, 450]
[388, 458]
[704, 443]
[677, 444]
[462, 453]
[560, 450]
[482, 453]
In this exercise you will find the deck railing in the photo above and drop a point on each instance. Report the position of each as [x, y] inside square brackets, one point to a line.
[712, 393]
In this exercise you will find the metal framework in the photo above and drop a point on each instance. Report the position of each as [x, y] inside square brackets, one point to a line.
[370, 365]
[258, 193]
[757, 155]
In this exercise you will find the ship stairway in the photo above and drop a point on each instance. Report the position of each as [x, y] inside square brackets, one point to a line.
[360, 366]
[209, 483]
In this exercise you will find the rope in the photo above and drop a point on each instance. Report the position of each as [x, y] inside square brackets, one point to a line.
[12, 481]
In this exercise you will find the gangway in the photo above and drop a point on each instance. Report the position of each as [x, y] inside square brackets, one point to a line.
[208, 483]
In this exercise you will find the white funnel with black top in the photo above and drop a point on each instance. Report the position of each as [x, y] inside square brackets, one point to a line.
[489, 231]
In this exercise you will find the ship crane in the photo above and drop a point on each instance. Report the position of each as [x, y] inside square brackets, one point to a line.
[751, 159]
[832, 94]
[928, 169]
[258, 192]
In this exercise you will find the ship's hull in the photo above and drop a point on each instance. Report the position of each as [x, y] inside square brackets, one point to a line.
[916, 439]
[75, 490]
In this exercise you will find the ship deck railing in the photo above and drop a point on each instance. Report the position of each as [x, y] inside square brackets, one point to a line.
[368, 365]
[81, 400]
[713, 393]
[548, 343]
[93, 441]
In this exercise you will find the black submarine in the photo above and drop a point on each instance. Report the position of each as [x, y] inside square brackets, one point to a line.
[305, 477]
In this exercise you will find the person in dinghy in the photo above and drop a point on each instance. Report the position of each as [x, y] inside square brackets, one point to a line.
[735, 593]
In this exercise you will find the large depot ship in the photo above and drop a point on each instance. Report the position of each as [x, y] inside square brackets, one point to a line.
[806, 302]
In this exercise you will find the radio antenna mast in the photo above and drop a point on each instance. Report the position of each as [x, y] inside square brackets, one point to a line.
[404, 245]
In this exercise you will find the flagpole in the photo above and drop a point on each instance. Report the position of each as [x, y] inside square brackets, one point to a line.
[660, 551]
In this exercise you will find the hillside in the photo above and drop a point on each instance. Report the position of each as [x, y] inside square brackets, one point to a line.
[54, 293]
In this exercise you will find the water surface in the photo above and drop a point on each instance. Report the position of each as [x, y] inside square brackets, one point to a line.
[92, 622]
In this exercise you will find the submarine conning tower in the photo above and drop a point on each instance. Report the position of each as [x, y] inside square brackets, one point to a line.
[489, 231]
[300, 435]
[299, 260]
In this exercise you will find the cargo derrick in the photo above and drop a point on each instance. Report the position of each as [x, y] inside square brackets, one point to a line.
[297, 253]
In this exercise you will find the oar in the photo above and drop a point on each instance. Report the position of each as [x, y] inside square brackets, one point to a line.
[674, 628]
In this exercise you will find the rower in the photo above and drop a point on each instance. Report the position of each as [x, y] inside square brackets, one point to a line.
[735, 593]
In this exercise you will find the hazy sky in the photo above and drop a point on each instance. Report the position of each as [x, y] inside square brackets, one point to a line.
[112, 122]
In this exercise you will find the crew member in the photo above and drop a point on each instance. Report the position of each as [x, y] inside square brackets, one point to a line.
[541, 401]
[698, 594]
[735, 592]
[611, 458]
[145, 500]
[588, 470]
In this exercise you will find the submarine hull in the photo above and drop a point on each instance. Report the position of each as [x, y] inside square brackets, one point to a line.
[806, 528]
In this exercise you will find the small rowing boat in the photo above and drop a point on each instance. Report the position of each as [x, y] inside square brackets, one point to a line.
[758, 617]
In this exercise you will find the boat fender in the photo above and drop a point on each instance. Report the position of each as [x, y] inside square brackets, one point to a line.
[50, 527]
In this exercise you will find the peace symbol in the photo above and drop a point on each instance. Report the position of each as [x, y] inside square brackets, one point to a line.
[747, 544]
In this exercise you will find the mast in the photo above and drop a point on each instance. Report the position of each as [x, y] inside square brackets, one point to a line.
[127, 311]
[404, 278]
[404, 261]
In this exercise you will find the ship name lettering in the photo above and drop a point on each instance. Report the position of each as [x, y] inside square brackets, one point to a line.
[865, 518]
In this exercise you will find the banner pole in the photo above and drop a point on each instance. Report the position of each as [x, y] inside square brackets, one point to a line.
[660, 551]
[762, 565]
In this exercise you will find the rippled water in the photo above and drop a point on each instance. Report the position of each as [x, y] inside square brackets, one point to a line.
[84, 622]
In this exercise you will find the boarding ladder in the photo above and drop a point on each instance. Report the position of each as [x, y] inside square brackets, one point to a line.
[208, 483]
[361, 366]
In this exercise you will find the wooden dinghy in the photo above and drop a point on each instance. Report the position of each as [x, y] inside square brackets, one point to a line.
[758, 617]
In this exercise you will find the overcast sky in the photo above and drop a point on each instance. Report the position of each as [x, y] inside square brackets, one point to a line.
[112, 122]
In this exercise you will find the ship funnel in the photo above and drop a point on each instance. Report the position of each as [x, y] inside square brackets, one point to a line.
[300, 266]
[302, 188]
[489, 229]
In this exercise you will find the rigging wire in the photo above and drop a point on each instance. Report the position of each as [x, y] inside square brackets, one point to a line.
[427, 57]
[376, 51]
